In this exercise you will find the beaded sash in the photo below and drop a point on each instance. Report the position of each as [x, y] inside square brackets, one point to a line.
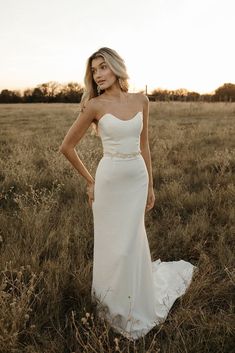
[121, 155]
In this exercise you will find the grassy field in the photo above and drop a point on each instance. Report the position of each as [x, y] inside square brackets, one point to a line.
[46, 230]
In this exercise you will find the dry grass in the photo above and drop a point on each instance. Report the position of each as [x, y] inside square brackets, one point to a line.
[46, 230]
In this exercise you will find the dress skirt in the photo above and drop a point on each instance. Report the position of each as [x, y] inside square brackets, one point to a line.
[132, 293]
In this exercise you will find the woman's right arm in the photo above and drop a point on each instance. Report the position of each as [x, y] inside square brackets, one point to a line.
[74, 135]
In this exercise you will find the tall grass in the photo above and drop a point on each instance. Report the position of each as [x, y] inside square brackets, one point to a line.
[46, 230]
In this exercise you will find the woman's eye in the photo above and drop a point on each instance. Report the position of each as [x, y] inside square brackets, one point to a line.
[102, 67]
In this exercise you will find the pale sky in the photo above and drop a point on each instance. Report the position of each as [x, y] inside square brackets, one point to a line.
[166, 44]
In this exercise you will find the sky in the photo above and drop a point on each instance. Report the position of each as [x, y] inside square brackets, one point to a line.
[167, 44]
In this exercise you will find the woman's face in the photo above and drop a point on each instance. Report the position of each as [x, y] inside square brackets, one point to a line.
[102, 74]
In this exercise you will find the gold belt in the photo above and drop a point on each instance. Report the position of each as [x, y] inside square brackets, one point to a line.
[121, 155]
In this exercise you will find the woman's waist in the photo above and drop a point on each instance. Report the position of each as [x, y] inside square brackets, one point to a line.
[122, 155]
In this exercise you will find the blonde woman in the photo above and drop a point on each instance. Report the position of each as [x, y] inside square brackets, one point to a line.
[131, 292]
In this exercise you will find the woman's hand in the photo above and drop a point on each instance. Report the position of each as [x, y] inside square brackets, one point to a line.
[150, 199]
[90, 192]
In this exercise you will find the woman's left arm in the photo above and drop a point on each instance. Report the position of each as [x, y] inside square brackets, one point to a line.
[145, 151]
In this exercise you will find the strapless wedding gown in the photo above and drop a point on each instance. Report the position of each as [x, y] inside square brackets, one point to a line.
[132, 293]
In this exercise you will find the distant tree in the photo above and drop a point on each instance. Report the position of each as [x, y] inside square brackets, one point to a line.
[225, 93]
[7, 96]
[37, 96]
[206, 97]
[49, 90]
[161, 94]
[27, 95]
[71, 92]
[193, 96]
[181, 94]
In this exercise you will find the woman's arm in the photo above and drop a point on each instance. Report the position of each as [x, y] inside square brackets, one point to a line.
[144, 142]
[74, 135]
[145, 151]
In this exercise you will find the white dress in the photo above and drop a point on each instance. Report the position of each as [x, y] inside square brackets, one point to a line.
[132, 293]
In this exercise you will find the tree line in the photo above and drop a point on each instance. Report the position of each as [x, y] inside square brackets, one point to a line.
[54, 92]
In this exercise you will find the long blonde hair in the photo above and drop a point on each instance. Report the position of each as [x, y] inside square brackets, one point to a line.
[116, 64]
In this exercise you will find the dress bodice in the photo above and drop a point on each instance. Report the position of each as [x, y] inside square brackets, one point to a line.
[120, 136]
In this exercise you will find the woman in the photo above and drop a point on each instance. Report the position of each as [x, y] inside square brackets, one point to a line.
[132, 293]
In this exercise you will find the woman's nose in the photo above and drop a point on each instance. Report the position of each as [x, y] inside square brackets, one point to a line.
[98, 74]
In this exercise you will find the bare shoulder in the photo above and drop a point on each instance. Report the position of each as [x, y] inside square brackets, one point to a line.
[90, 107]
[141, 98]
